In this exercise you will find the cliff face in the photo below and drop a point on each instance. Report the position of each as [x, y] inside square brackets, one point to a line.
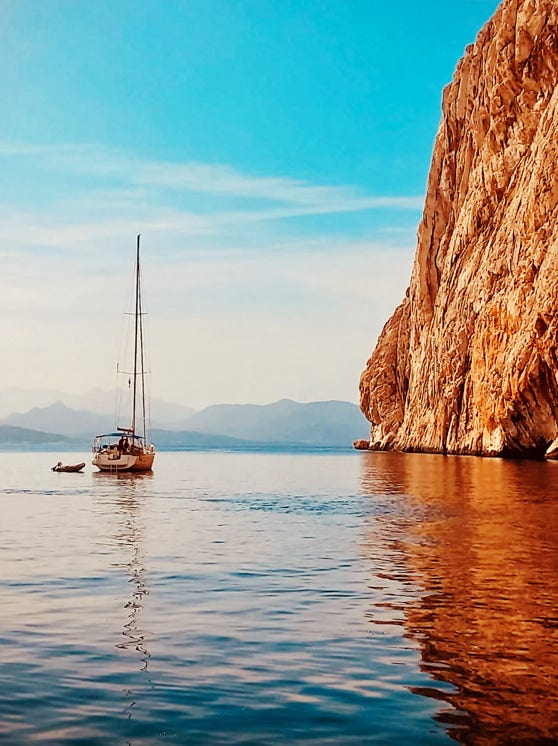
[468, 363]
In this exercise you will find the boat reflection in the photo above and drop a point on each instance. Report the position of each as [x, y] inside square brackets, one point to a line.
[475, 541]
[123, 495]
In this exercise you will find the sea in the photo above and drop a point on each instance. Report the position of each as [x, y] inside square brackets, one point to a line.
[279, 598]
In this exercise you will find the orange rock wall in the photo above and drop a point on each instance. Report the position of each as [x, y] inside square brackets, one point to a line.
[468, 361]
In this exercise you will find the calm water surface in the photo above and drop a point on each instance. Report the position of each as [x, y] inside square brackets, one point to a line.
[273, 598]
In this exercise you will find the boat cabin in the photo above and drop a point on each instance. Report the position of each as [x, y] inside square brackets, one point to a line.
[119, 443]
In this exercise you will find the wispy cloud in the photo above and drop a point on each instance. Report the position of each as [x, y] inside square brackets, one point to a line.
[253, 270]
[297, 197]
[224, 180]
[84, 196]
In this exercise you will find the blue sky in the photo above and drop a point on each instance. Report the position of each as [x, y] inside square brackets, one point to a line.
[273, 154]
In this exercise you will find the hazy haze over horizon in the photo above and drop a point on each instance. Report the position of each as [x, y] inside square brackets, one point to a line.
[274, 157]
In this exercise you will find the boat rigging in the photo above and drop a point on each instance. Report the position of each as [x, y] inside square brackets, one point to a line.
[129, 449]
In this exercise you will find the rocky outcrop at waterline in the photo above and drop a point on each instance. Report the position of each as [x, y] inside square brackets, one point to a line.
[468, 363]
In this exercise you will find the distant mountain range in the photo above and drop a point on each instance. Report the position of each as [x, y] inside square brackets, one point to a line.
[331, 424]
[326, 423]
[16, 400]
[58, 418]
[14, 436]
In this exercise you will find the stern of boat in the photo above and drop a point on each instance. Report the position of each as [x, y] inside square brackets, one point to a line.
[108, 461]
[144, 461]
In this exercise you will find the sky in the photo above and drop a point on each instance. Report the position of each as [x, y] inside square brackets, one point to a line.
[273, 154]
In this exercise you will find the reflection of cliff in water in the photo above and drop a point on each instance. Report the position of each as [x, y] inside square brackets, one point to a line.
[477, 538]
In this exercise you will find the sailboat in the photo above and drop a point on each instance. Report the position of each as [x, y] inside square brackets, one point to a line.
[128, 449]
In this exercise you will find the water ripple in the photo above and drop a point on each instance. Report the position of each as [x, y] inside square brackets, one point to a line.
[271, 599]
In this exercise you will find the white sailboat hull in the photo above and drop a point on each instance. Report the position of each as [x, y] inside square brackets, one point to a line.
[115, 461]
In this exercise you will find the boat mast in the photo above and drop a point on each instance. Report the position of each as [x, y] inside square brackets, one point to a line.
[142, 360]
[136, 324]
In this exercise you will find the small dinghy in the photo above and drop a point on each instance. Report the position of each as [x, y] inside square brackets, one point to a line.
[66, 467]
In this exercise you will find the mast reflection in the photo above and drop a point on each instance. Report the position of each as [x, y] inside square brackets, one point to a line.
[126, 494]
[476, 539]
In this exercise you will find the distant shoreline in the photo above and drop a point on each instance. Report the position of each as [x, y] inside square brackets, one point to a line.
[264, 448]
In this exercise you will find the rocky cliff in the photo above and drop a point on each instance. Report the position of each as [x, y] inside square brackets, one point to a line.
[468, 363]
